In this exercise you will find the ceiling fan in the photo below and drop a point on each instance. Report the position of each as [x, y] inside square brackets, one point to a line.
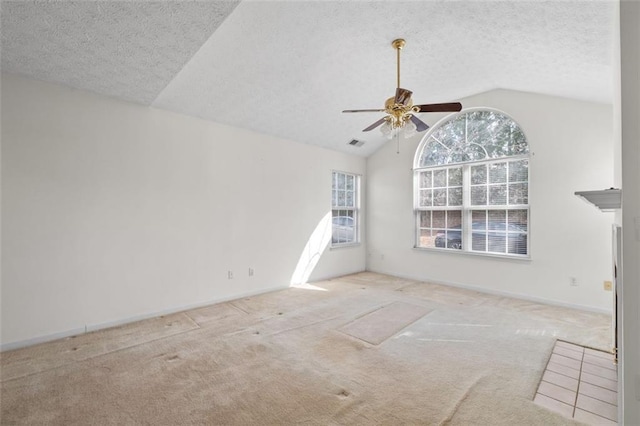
[400, 109]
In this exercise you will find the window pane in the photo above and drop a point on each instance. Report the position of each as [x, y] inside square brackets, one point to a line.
[496, 227]
[425, 219]
[341, 180]
[343, 226]
[454, 239]
[519, 171]
[498, 195]
[518, 219]
[517, 227]
[342, 198]
[455, 176]
[498, 173]
[518, 193]
[425, 179]
[497, 220]
[479, 228]
[439, 178]
[455, 196]
[440, 197]
[439, 233]
[478, 174]
[478, 195]
[517, 243]
[479, 216]
[493, 136]
[438, 219]
[479, 241]
[478, 125]
[350, 199]
[427, 238]
[497, 242]
[454, 219]
[350, 179]
[426, 197]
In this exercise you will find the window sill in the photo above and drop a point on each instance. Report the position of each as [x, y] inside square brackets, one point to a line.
[345, 245]
[455, 252]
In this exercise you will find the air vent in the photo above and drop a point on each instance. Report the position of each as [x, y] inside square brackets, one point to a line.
[356, 142]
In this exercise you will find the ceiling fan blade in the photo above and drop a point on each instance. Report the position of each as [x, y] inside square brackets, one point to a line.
[421, 126]
[376, 124]
[448, 107]
[402, 96]
[363, 110]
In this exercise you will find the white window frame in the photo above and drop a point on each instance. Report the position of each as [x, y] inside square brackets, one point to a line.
[338, 207]
[466, 208]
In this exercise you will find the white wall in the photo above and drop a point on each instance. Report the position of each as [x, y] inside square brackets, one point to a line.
[630, 92]
[112, 211]
[572, 146]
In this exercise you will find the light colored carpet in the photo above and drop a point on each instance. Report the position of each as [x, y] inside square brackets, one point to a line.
[466, 358]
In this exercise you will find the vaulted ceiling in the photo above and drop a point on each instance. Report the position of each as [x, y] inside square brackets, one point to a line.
[288, 68]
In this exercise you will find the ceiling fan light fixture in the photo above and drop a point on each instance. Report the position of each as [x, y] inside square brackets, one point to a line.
[409, 129]
[402, 126]
[387, 129]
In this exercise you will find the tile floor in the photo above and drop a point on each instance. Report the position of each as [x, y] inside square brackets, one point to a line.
[580, 383]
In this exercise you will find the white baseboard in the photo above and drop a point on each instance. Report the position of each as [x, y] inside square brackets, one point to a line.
[87, 328]
[498, 292]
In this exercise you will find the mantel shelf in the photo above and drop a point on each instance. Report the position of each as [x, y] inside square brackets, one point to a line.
[607, 200]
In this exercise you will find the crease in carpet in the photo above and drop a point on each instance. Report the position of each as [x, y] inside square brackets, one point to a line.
[461, 401]
[20, 363]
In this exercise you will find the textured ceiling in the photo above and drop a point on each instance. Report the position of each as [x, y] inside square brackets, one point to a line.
[288, 68]
[129, 50]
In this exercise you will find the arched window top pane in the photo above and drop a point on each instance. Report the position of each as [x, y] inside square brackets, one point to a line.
[472, 135]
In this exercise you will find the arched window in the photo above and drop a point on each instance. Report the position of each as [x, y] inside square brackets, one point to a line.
[472, 185]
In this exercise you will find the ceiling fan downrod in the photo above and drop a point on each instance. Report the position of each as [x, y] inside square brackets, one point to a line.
[398, 44]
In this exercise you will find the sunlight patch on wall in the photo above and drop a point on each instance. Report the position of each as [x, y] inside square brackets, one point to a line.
[316, 245]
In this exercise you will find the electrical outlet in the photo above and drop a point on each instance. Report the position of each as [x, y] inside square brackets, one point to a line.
[608, 285]
[230, 275]
[573, 281]
[250, 272]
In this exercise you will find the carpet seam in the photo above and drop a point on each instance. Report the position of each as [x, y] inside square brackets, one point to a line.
[393, 335]
[305, 325]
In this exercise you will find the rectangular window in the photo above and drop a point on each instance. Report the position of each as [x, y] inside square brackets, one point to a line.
[479, 207]
[345, 193]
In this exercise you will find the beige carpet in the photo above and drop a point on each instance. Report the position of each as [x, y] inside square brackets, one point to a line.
[450, 357]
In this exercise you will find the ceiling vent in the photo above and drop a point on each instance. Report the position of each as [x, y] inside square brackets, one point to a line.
[355, 142]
